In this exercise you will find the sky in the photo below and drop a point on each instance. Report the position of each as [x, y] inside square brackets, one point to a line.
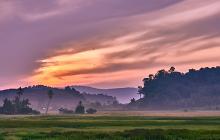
[104, 43]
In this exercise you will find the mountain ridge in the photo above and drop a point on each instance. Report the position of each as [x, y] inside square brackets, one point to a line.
[123, 94]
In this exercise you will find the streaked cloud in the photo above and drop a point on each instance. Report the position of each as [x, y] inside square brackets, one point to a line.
[80, 42]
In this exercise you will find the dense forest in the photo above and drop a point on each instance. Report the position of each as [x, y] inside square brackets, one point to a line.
[172, 89]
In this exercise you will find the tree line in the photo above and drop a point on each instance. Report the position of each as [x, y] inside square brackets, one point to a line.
[173, 88]
[17, 105]
[20, 105]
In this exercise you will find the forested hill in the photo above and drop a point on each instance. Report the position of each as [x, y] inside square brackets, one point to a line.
[123, 95]
[66, 98]
[172, 89]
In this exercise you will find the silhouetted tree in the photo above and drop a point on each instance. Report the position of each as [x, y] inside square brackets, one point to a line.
[132, 101]
[91, 111]
[151, 77]
[192, 70]
[19, 93]
[8, 107]
[65, 111]
[140, 91]
[172, 69]
[17, 107]
[161, 74]
[68, 89]
[196, 87]
[50, 96]
[80, 109]
[17, 104]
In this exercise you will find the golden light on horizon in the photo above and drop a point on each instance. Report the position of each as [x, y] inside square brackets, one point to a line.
[69, 66]
[52, 69]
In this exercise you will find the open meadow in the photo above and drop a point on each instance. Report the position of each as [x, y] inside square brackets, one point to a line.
[112, 126]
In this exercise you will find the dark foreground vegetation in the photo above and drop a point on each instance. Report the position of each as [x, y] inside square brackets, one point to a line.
[17, 105]
[136, 134]
[80, 109]
[172, 89]
[109, 128]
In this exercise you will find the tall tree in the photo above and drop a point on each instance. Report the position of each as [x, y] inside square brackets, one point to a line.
[172, 69]
[17, 99]
[151, 76]
[132, 101]
[140, 91]
[80, 109]
[19, 92]
[7, 107]
[50, 96]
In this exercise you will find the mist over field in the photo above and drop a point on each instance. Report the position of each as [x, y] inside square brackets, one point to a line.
[109, 70]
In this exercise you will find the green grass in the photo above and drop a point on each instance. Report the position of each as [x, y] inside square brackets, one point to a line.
[109, 128]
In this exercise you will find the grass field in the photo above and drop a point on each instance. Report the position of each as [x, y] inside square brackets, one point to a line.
[109, 127]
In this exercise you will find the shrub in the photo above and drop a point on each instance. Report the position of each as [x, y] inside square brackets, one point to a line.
[65, 111]
[91, 111]
[80, 109]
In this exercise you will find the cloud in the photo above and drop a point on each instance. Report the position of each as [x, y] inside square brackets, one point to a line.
[54, 9]
[109, 68]
[184, 15]
[6, 10]
[53, 42]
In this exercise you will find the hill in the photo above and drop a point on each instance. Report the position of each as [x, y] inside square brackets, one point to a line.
[172, 89]
[66, 98]
[123, 95]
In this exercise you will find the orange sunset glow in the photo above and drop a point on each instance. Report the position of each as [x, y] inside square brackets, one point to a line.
[83, 43]
[110, 69]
